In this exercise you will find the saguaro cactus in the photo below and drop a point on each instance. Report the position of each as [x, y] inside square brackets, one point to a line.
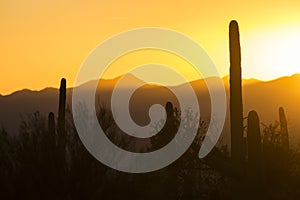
[170, 125]
[61, 136]
[61, 113]
[236, 107]
[51, 128]
[283, 129]
[254, 167]
[169, 110]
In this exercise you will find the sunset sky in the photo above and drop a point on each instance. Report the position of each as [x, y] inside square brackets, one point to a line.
[43, 41]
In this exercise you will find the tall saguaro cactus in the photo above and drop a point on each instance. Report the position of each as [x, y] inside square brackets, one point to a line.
[61, 135]
[236, 105]
[61, 115]
[283, 129]
[62, 105]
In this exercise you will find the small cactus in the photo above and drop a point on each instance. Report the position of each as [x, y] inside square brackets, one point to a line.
[51, 128]
[169, 110]
[254, 167]
[283, 129]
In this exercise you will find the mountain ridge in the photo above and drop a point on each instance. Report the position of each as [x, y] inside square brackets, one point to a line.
[245, 81]
[263, 96]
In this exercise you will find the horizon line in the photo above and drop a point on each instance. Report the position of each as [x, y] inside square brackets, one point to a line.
[116, 77]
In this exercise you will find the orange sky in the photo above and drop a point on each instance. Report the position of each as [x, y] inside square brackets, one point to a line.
[42, 41]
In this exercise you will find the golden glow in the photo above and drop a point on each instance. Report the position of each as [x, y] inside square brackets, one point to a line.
[273, 54]
[42, 41]
[137, 58]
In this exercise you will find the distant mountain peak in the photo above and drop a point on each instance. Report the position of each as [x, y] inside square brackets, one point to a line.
[110, 82]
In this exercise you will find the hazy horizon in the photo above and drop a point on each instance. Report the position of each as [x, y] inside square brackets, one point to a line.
[116, 77]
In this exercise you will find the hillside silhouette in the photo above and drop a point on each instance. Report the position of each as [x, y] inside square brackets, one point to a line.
[264, 96]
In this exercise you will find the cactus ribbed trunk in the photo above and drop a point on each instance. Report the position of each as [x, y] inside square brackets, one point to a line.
[283, 130]
[255, 166]
[236, 107]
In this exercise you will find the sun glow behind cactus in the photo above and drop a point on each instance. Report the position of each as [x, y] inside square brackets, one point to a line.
[272, 53]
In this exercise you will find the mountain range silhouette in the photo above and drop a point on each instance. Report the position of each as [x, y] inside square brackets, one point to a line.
[263, 96]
